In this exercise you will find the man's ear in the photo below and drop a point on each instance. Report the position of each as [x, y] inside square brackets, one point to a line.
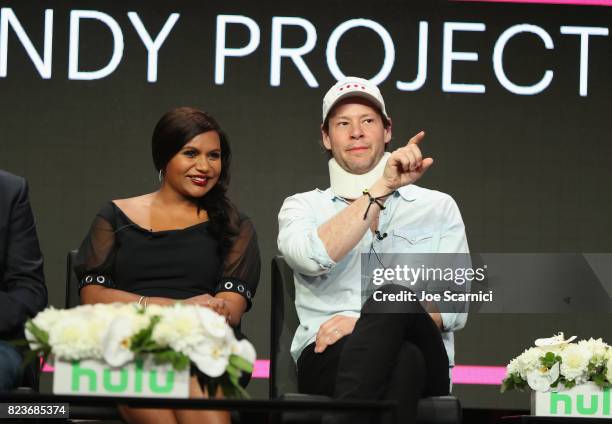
[389, 132]
[325, 138]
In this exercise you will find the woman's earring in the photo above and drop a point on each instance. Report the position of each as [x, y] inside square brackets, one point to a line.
[161, 175]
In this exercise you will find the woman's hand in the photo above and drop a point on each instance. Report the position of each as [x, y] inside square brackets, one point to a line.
[216, 304]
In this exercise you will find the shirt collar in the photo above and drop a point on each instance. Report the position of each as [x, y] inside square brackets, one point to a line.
[408, 193]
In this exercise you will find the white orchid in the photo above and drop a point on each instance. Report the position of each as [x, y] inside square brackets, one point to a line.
[245, 350]
[541, 378]
[214, 324]
[116, 341]
[556, 340]
[212, 358]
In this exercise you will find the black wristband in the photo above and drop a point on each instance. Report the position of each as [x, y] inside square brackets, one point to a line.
[97, 279]
[374, 200]
[235, 285]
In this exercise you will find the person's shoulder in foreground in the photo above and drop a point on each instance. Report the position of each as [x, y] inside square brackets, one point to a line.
[22, 285]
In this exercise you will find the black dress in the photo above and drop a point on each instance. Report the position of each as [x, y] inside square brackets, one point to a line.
[176, 264]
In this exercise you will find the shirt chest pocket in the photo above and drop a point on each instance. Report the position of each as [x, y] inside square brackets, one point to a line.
[415, 240]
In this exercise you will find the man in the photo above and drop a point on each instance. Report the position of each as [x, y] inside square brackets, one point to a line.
[22, 286]
[340, 350]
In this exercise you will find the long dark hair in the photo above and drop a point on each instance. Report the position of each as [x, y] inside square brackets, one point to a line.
[171, 133]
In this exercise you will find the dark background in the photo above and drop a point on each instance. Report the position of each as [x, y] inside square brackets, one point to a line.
[529, 173]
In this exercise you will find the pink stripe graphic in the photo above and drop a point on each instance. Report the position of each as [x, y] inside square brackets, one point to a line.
[478, 374]
[461, 374]
[571, 2]
[261, 369]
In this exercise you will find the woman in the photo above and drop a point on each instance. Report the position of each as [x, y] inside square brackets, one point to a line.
[186, 241]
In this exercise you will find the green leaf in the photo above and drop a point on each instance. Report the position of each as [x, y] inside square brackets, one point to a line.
[233, 371]
[41, 335]
[163, 357]
[600, 380]
[241, 363]
[242, 393]
[513, 382]
[549, 360]
[141, 341]
[506, 385]
[180, 362]
[569, 383]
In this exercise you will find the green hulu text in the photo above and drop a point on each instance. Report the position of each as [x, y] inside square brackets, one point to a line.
[590, 404]
[118, 380]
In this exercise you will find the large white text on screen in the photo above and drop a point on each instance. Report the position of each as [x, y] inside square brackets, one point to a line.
[295, 55]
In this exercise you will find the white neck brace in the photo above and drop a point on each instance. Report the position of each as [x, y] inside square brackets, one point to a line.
[351, 186]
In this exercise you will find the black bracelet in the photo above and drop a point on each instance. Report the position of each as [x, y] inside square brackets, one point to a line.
[374, 200]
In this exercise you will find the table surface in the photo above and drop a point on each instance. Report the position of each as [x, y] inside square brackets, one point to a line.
[530, 419]
[252, 405]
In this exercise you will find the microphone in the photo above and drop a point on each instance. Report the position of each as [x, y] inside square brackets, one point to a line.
[380, 236]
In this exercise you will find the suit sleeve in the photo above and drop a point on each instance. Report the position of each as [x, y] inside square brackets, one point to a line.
[25, 292]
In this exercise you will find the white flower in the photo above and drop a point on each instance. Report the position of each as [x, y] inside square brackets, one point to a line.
[46, 319]
[179, 328]
[154, 309]
[529, 361]
[211, 358]
[598, 350]
[214, 324]
[574, 362]
[71, 339]
[513, 367]
[541, 378]
[245, 350]
[105, 331]
[116, 341]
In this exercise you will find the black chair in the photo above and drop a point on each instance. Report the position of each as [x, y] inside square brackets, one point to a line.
[72, 284]
[283, 373]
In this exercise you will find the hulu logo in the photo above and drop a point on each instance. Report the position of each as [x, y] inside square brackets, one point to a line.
[591, 404]
[118, 381]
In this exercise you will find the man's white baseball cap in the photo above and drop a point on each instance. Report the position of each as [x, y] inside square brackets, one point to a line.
[353, 87]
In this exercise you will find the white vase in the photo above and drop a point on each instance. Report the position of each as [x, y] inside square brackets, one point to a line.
[92, 377]
[585, 400]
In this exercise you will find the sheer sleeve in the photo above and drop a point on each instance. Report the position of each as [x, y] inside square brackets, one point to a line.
[242, 264]
[94, 261]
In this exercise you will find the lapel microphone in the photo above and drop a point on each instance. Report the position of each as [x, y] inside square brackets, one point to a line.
[380, 236]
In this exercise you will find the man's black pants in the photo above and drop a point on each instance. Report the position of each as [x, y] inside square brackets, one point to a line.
[389, 356]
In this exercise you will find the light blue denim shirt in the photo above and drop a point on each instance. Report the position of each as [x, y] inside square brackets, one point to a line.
[416, 219]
